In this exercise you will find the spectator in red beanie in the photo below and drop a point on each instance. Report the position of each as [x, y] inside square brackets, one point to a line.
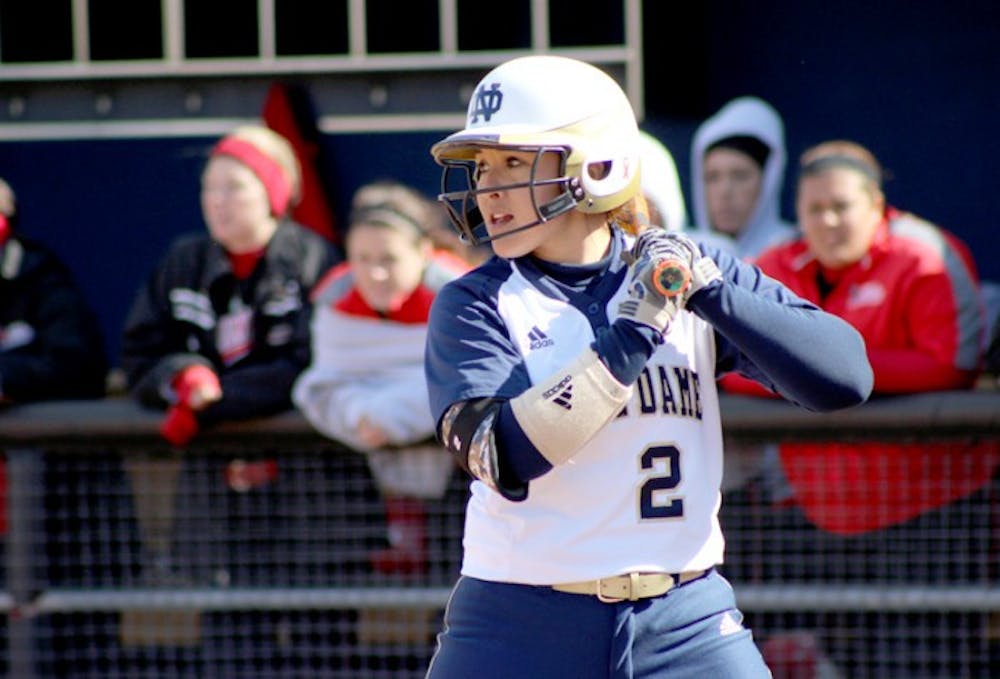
[220, 329]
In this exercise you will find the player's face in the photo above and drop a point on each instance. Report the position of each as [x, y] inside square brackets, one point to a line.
[388, 264]
[839, 212]
[235, 205]
[504, 210]
[733, 182]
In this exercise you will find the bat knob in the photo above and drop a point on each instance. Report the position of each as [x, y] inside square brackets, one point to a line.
[671, 277]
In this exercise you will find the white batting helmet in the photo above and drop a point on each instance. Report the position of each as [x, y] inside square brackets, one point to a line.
[546, 104]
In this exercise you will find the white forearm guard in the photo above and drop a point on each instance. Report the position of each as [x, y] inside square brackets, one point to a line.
[565, 411]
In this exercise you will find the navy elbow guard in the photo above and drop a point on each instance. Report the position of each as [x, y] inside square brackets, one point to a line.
[467, 432]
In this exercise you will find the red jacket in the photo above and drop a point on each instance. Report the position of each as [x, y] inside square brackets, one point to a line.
[914, 298]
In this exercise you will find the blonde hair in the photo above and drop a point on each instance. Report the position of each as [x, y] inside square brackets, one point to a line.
[632, 216]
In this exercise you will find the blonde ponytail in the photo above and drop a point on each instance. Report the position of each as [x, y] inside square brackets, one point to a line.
[632, 216]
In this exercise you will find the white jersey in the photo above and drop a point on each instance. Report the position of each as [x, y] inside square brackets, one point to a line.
[643, 494]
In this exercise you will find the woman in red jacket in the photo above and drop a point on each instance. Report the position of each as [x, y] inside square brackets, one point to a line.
[911, 289]
[886, 511]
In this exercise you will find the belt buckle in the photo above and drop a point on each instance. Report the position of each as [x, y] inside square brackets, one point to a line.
[633, 581]
[607, 599]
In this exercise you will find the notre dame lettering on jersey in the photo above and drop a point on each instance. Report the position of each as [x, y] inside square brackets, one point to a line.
[670, 390]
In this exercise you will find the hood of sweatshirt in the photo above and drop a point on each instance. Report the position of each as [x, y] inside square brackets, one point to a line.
[749, 116]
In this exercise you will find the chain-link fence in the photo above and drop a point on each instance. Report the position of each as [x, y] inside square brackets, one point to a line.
[267, 551]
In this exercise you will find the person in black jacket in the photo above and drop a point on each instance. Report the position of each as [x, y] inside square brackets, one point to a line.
[51, 346]
[220, 331]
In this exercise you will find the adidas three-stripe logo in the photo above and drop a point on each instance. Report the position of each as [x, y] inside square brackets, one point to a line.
[538, 339]
[562, 393]
[564, 398]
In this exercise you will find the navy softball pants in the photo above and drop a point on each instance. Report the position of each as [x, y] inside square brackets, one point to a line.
[501, 630]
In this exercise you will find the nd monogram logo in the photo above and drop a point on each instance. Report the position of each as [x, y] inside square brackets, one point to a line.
[488, 102]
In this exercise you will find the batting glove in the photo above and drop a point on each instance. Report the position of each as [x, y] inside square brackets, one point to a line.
[704, 270]
[666, 269]
[659, 273]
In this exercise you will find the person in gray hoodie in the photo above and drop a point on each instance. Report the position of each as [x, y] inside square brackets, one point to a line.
[737, 173]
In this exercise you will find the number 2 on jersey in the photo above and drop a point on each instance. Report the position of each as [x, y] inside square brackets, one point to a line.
[654, 499]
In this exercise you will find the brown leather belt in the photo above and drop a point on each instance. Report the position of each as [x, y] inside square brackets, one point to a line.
[629, 586]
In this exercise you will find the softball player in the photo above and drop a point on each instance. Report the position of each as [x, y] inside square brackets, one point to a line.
[573, 376]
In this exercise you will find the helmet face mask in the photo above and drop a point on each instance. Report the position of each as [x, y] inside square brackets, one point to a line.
[539, 105]
[461, 202]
